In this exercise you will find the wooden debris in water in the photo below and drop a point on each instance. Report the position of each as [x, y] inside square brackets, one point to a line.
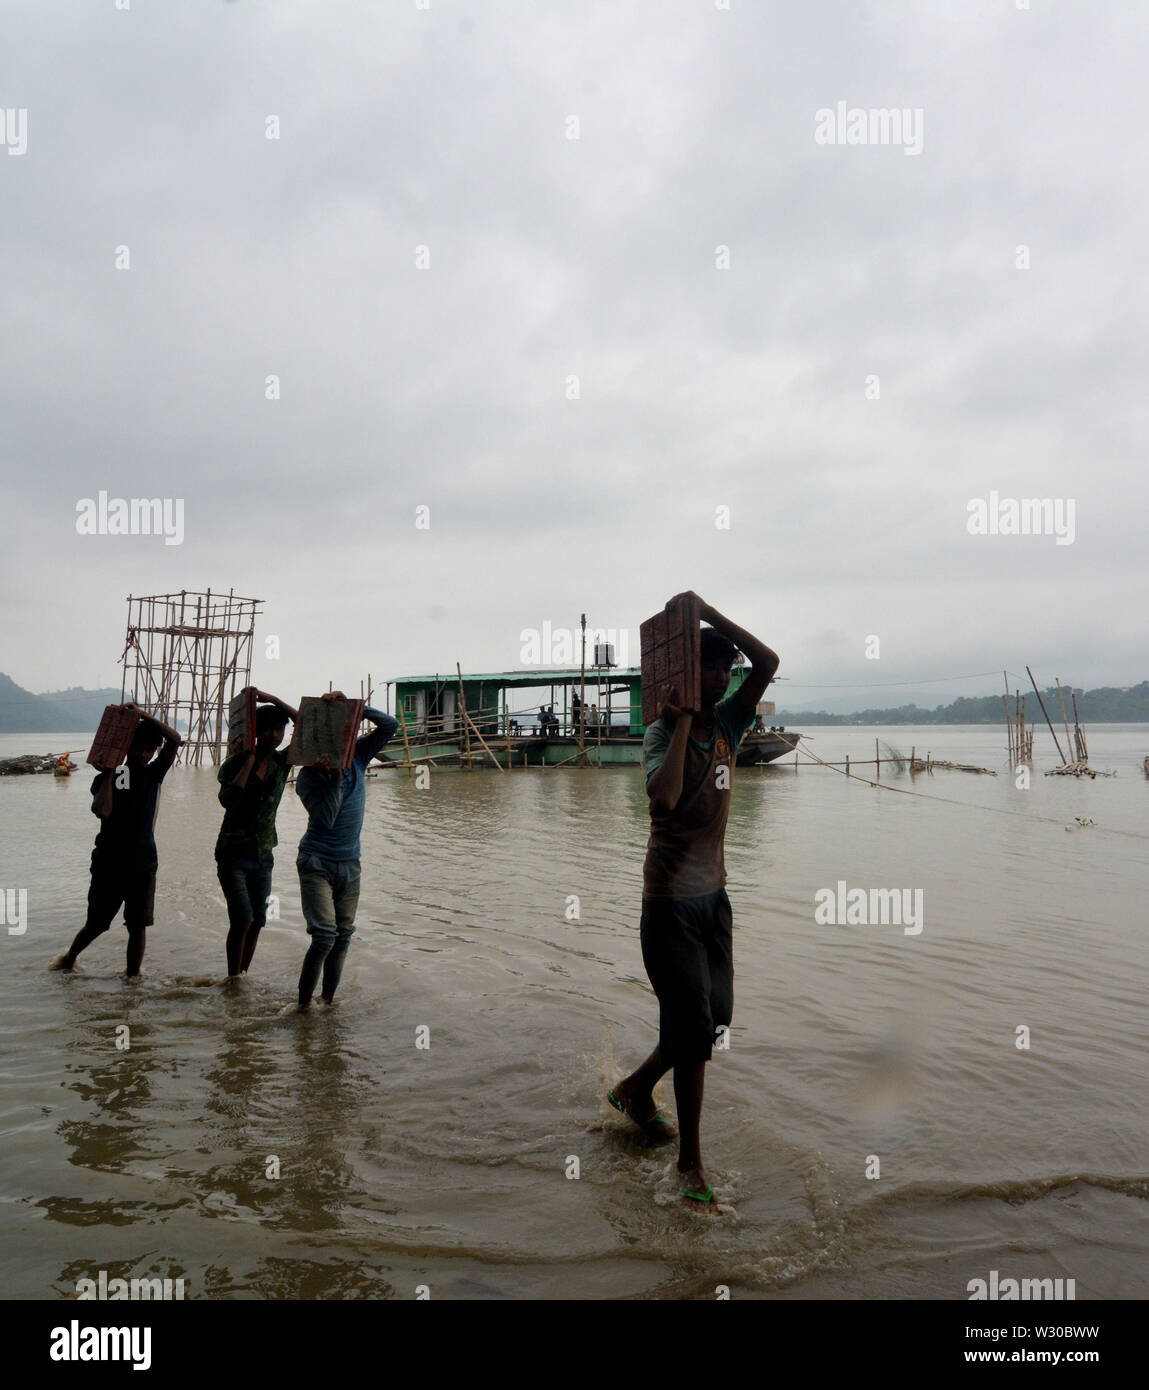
[26, 763]
[928, 764]
[1078, 769]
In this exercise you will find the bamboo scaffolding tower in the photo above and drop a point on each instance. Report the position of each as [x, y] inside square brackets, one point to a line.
[186, 655]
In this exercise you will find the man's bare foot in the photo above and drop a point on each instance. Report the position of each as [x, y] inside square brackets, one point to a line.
[63, 963]
[697, 1194]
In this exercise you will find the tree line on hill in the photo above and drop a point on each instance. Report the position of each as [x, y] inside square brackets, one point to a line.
[1107, 705]
[75, 710]
[54, 712]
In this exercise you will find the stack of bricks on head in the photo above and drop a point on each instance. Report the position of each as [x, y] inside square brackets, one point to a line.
[671, 655]
[113, 738]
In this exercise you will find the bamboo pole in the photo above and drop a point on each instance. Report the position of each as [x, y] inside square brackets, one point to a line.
[406, 742]
[582, 698]
[1064, 717]
[878, 759]
[1044, 711]
[482, 740]
[1005, 707]
[1082, 745]
[847, 763]
[466, 721]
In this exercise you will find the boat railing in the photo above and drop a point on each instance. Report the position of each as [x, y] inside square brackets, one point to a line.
[497, 721]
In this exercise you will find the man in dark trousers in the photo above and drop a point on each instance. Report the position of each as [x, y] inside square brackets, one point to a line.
[250, 788]
[124, 859]
[686, 928]
[328, 861]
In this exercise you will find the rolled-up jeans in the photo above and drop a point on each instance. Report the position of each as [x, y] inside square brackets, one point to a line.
[329, 893]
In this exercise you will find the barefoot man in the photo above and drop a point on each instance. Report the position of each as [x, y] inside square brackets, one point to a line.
[328, 861]
[250, 789]
[686, 919]
[124, 859]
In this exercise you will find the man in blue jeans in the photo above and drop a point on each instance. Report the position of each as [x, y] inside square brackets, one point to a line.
[328, 860]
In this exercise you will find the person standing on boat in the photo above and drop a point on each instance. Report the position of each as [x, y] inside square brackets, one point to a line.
[328, 861]
[686, 926]
[250, 789]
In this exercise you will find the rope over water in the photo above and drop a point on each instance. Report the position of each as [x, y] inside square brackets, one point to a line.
[949, 800]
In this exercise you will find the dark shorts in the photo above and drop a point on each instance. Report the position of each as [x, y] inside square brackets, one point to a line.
[114, 886]
[687, 948]
[246, 884]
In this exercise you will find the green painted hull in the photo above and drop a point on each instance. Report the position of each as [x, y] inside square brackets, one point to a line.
[564, 752]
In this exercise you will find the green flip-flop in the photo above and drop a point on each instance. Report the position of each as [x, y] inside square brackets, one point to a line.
[657, 1126]
[703, 1198]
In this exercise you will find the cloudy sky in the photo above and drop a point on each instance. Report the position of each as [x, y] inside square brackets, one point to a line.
[427, 261]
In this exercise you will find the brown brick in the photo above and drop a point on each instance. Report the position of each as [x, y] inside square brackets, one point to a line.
[670, 654]
[113, 738]
[241, 722]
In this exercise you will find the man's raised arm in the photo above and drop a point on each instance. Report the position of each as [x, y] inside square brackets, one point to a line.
[370, 744]
[763, 662]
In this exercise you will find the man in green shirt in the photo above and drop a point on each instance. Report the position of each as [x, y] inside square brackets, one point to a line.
[251, 785]
[686, 930]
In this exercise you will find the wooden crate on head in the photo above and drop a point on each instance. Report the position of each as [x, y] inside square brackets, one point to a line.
[325, 728]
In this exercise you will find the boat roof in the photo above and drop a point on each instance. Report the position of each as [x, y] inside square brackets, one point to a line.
[510, 680]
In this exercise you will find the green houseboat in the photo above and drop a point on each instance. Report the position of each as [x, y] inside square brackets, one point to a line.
[532, 718]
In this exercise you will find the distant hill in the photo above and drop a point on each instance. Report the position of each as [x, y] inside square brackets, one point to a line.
[54, 712]
[1106, 705]
[76, 709]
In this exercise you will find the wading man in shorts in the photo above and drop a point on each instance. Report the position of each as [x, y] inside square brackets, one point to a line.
[686, 920]
[124, 859]
[250, 789]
